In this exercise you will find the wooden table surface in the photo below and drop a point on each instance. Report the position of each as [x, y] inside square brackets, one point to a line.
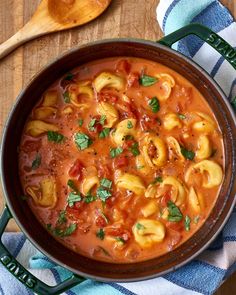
[124, 18]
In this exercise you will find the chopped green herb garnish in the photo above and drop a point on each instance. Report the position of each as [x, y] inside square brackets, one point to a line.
[65, 232]
[72, 185]
[104, 133]
[187, 153]
[69, 76]
[80, 122]
[196, 219]
[82, 141]
[120, 240]
[140, 226]
[106, 183]
[103, 194]
[146, 80]
[104, 216]
[100, 234]
[62, 217]
[128, 137]
[233, 102]
[129, 125]
[103, 119]
[55, 136]
[114, 152]
[104, 251]
[66, 96]
[92, 124]
[175, 214]
[73, 198]
[134, 149]
[49, 226]
[140, 167]
[157, 179]
[187, 222]
[36, 162]
[89, 198]
[154, 104]
[181, 116]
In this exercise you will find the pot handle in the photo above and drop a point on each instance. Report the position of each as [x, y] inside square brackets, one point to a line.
[207, 35]
[25, 277]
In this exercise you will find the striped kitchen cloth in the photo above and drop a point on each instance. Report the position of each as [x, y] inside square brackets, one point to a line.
[206, 273]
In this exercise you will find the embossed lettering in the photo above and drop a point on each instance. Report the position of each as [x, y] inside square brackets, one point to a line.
[218, 43]
[31, 282]
[233, 62]
[5, 259]
[231, 53]
[12, 266]
[23, 277]
[224, 49]
[212, 37]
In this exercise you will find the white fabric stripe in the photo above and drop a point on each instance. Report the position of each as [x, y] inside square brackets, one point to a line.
[225, 81]
[26, 252]
[207, 56]
[222, 258]
[158, 286]
[44, 275]
[161, 10]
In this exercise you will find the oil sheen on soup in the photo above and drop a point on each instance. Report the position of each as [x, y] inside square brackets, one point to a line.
[121, 160]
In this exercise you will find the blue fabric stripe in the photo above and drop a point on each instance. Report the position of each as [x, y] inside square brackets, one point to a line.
[56, 275]
[231, 96]
[188, 277]
[217, 65]
[168, 11]
[122, 289]
[19, 246]
[230, 239]
[213, 16]
[1, 290]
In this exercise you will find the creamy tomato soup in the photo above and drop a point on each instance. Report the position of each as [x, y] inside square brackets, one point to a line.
[121, 160]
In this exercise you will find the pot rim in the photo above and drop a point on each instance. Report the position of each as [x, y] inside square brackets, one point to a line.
[12, 111]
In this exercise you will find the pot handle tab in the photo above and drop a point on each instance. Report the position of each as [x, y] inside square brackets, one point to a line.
[24, 276]
[207, 35]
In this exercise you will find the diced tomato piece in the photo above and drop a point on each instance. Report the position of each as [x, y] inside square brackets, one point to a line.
[152, 150]
[118, 232]
[128, 143]
[31, 146]
[123, 66]
[104, 171]
[74, 212]
[100, 221]
[177, 226]
[76, 169]
[175, 238]
[165, 199]
[108, 97]
[120, 162]
[133, 80]
[149, 123]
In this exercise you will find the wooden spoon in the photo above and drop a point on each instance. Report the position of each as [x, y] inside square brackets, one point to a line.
[52, 16]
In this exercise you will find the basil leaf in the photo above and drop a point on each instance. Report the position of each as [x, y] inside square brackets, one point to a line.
[120, 240]
[36, 162]
[146, 80]
[140, 226]
[103, 119]
[55, 136]
[129, 125]
[233, 103]
[82, 141]
[157, 179]
[80, 122]
[106, 183]
[73, 198]
[103, 194]
[114, 152]
[66, 97]
[65, 232]
[62, 217]
[100, 234]
[154, 104]
[72, 185]
[187, 222]
[134, 149]
[175, 214]
[104, 133]
[196, 219]
[89, 198]
[69, 76]
[187, 153]
[181, 116]
[92, 124]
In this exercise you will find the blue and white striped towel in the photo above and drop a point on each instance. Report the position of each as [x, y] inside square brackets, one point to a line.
[206, 273]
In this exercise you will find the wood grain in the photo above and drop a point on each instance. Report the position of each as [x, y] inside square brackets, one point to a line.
[124, 18]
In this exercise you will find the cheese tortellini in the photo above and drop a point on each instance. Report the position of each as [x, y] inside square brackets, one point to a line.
[161, 154]
[167, 83]
[174, 148]
[204, 148]
[124, 128]
[149, 209]
[45, 195]
[171, 121]
[111, 113]
[195, 200]
[76, 91]
[108, 80]
[213, 171]
[44, 112]
[37, 127]
[148, 232]
[178, 190]
[206, 125]
[91, 179]
[50, 98]
[131, 182]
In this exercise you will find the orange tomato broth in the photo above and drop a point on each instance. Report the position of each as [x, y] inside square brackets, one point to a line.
[100, 229]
